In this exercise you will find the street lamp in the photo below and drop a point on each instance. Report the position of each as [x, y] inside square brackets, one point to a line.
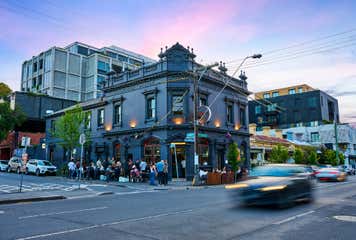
[195, 112]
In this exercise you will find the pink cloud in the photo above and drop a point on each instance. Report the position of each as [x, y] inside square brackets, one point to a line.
[196, 23]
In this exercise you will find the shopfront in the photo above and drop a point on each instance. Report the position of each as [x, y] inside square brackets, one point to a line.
[151, 150]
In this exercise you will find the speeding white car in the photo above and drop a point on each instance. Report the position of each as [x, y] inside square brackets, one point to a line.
[40, 167]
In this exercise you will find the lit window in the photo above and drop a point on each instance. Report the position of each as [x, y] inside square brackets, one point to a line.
[271, 107]
[88, 116]
[275, 94]
[266, 95]
[300, 90]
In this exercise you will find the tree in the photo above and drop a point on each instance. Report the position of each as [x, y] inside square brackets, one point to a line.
[328, 156]
[69, 126]
[9, 119]
[4, 90]
[299, 156]
[279, 154]
[312, 158]
[233, 157]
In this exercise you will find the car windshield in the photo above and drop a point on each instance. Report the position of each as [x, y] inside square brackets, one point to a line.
[276, 171]
[44, 163]
[3, 161]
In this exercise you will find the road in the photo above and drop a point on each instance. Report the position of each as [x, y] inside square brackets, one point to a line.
[183, 214]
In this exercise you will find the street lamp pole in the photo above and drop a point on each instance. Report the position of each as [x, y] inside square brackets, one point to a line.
[336, 139]
[195, 112]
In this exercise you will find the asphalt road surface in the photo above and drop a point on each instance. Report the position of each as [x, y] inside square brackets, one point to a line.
[183, 214]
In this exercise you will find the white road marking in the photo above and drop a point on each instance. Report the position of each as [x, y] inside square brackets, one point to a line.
[105, 224]
[346, 218]
[294, 217]
[64, 212]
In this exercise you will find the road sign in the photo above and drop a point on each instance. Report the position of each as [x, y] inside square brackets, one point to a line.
[82, 139]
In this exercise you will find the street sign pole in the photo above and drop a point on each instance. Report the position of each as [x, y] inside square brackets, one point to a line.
[82, 142]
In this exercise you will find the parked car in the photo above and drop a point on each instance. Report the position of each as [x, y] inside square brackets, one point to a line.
[3, 165]
[349, 170]
[15, 165]
[274, 184]
[40, 167]
[331, 174]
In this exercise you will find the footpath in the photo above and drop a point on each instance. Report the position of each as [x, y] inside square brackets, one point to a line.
[94, 188]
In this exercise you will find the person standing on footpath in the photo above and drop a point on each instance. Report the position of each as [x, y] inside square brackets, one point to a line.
[71, 168]
[153, 173]
[165, 172]
[160, 168]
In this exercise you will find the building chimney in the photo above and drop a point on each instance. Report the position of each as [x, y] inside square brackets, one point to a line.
[279, 133]
[265, 131]
[252, 128]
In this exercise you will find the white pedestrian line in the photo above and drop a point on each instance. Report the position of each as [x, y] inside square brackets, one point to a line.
[105, 224]
[293, 217]
[64, 212]
[346, 218]
[29, 187]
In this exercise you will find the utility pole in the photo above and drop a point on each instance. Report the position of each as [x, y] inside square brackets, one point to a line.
[336, 139]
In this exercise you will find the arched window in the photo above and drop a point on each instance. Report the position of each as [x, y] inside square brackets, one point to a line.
[152, 150]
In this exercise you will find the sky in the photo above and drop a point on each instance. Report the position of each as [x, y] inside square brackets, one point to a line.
[305, 41]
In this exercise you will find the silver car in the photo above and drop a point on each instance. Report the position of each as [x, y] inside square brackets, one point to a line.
[40, 167]
[3, 165]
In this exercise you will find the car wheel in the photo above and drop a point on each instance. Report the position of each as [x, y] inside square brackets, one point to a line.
[37, 172]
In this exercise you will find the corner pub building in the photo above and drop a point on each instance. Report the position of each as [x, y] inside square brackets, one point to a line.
[142, 112]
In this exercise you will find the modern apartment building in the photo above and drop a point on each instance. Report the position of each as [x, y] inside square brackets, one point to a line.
[77, 71]
[293, 106]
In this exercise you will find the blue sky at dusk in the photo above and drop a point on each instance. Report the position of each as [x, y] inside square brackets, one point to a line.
[217, 30]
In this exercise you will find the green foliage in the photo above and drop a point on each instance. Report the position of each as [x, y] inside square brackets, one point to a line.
[279, 154]
[4, 90]
[9, 119]
[68, 128]
[232, 156]
[299, 156]
[328, 156]
[312, 158]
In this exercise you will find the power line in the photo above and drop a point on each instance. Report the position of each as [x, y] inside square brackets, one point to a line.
[301, 44]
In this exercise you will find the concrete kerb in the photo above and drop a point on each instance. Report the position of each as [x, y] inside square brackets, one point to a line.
[31, 199]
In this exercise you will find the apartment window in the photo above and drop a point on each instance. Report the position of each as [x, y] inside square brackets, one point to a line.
[40, 80]
[34, 66]
[312, 102]
[266, 95]
[291, 91]
[275, 94]
[122, 58]
[242, 116]
[117, 114]
[34, 82]
[321, 100]
[83, 50]
[314, 136]
[100, 81]
[257, 109]
[314, 123]
[41, 63]
[300, 124]
[229, 113]
[177, 105]
[300, 90]
[103, 67]
[150, 107]
[101, 117]
[112, 55]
